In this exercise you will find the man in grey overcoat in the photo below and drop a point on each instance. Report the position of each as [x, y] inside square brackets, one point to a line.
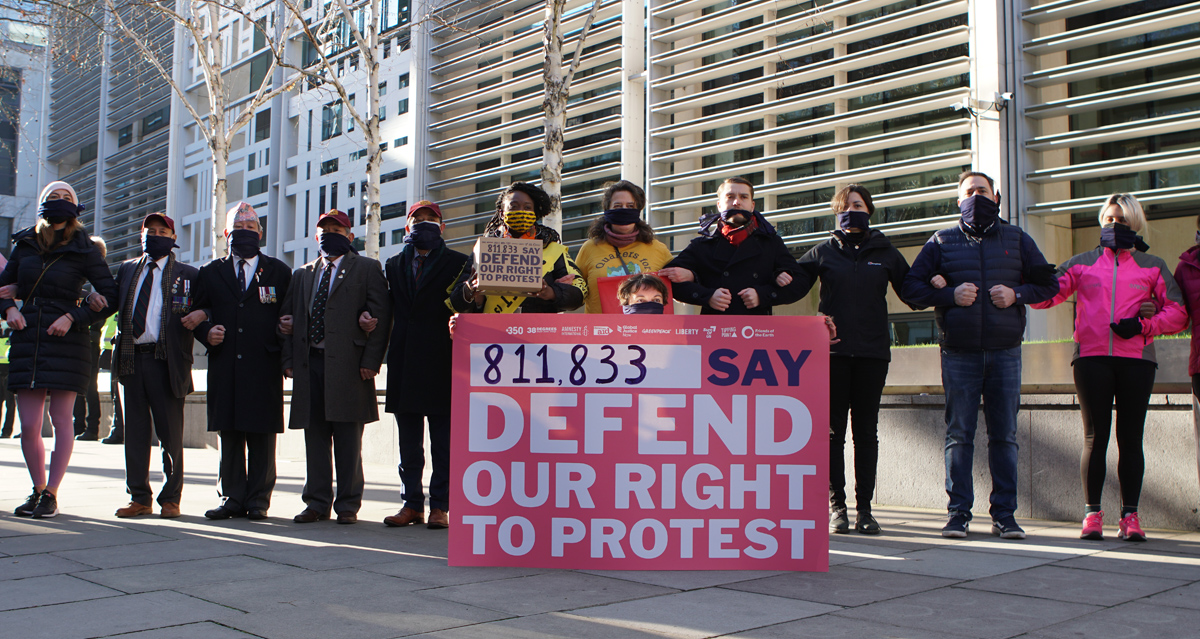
[333, 364]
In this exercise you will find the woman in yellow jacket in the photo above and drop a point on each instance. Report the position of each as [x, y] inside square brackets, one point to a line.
[620, 242]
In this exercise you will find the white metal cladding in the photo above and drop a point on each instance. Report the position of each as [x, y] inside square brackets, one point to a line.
[682, 155]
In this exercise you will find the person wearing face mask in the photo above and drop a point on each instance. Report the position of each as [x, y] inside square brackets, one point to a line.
[732, 267]
[333, 362]
[855, 267]
[1114, 352]
[49, 345]
[642, 294]
[619, 242]
[518, 209]
[239, 298]
[153, 358]
[1187, 276]
[421, 277]
[980, 341]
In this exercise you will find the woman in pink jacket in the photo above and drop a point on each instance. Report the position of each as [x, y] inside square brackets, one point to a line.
[1114, 352]
[1187, 274]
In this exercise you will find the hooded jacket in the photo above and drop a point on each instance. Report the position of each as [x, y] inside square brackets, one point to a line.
[1187, 276]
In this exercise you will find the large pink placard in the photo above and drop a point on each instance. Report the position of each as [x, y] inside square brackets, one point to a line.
[640, 442]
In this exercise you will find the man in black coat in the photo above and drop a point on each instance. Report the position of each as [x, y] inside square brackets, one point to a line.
[418, 386]
[153, 358]
[735, 267]
[240, 297]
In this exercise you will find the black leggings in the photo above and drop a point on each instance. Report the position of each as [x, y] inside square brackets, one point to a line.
[855, 387]
[1098, 381]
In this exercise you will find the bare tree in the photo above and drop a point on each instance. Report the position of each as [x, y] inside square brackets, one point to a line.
[201, 20]
[554, 106]
[339, 28]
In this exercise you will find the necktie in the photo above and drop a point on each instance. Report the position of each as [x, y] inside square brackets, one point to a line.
[143, 301]
[316, 326]
[418, 266]
[242, 274]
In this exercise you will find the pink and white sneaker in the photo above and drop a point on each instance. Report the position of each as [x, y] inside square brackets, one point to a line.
[1093, 526]
[1131, 528]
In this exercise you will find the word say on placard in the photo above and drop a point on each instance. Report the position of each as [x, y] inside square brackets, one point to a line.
[668, 444]
[509, 266]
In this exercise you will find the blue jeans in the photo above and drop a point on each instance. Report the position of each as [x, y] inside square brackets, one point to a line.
[996, 377]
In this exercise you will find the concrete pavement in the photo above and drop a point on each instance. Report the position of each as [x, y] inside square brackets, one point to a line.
[88, 574]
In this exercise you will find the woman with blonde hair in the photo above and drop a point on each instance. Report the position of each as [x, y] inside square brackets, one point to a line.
[49, 264]
[1114, 352]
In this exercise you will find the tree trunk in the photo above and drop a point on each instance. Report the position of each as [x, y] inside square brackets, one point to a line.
[554, 110]
[219, 137]
[371, 134]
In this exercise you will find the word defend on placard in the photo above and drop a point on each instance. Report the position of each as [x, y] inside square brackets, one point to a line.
[507, 266]
[640, 442]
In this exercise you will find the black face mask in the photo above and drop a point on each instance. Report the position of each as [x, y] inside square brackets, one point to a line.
[1118, 236]
[979, 211]
[424, 236]
[157, 246]
[243, 243]
[334, 244]
[58, 211]
[643, 308]
[621, 217]
[854, 220]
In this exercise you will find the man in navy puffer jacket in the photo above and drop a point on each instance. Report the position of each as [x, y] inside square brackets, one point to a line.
[991, 269]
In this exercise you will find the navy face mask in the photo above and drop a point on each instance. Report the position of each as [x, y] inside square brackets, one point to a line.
[643, 308]
[334, 244]
[243, 243]
[1117, 236]
[621, 217]
[854, 220]
[58, 211]
[980, 211]
[424, 236]
[157, 246]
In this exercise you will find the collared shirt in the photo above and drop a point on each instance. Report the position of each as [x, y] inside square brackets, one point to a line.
[154, 309]
[251, 267]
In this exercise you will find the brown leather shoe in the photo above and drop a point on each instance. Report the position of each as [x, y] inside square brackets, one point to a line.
[438, 518]
[134, 509]
[169, 511]
[347, 518]
[309, 516]
[406, 517]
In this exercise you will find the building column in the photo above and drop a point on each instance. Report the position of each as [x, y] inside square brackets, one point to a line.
[633, 92]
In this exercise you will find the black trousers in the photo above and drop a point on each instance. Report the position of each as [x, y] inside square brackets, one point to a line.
[855, 388]
[8, 402]
[87, 404]
[247, 469]
[151, 407]
[1098, 382]
[345, 440]
[412, 460]
[118, 424]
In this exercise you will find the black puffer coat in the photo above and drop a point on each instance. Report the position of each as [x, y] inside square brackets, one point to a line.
[37, 359]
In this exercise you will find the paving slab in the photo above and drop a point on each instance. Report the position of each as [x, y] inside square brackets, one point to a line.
[202, 630]
[300, 589]
[1073, 584]
[36, 566]
[703, 613]
[554, 591]
[435, 572]
[1182, 597]
[1128, 620]
[181, 574]
[551, 625]
[1145, 563]
[166, 551]
[843, 585]
[971, 613]
[52, 589]
[97, 618]
[836, 627]
[684, 579]
[952, 563]
[74, 540]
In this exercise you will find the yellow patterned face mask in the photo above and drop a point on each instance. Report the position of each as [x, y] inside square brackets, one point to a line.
[518, 222]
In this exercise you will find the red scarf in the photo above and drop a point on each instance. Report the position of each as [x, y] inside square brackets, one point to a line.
[738, 235]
